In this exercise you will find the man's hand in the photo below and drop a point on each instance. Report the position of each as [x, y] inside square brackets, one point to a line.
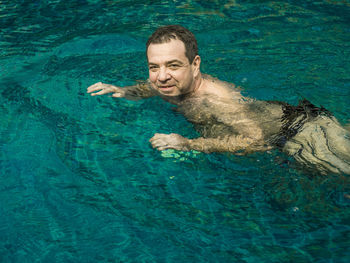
[101, 89]
[175, 141]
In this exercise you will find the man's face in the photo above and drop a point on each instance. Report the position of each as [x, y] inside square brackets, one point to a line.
[170, 71]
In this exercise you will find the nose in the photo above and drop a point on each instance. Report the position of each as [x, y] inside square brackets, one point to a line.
[163, 74]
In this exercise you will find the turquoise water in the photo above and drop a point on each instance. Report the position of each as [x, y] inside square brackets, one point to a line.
[79, 181]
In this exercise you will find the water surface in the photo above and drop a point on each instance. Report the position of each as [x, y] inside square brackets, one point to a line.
[79, 180]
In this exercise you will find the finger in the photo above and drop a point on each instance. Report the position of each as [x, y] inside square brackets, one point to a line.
[118, 95]
[102, 92]
[163, 148]
[156, 136]
[157, 143]
[94, 87]
[157, 146]
[152, 139]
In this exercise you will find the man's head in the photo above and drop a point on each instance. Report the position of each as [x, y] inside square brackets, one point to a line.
[167, 33]
[173, 61]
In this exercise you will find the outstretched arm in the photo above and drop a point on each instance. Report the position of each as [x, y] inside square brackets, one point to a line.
[225, 144]
[138, 91]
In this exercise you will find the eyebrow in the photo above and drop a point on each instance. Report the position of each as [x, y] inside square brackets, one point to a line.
[169, 62]
[175, 61]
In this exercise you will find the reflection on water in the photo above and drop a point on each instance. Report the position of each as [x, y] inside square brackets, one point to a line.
[79, 181]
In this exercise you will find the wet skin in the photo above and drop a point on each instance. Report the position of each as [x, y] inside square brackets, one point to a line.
[219, 111]
[227, 121]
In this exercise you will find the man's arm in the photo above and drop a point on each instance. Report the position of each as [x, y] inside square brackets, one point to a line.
[138, 91]
[225, 144]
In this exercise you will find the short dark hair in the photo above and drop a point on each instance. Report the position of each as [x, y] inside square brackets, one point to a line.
[165, 34]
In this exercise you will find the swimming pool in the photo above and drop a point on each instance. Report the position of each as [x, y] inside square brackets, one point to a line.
[79, 180]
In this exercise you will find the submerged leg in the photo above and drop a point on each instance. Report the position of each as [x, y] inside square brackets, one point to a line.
[323, 144]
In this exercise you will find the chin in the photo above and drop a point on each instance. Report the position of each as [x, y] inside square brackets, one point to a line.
[169, 93]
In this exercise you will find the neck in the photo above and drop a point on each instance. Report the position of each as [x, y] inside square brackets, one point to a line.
[198, 84]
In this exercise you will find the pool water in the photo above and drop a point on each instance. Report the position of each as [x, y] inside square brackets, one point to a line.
[79, 181]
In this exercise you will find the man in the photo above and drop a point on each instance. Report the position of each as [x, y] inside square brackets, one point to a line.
[227, 121]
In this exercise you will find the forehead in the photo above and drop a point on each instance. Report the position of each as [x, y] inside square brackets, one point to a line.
[172, 50]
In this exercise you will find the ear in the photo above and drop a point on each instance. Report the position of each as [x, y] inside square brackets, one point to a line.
[196, 63]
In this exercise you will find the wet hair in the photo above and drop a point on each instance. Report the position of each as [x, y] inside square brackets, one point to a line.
[166, 33]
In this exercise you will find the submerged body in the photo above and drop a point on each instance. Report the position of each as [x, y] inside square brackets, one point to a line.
[230, 122]
[226, 120]
[233, 123]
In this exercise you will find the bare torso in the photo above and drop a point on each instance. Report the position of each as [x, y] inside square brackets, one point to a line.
[240, 124]
[219, 109]
[230, 122]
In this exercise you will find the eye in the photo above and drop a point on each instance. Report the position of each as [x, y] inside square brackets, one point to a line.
[153, 68]
[174, 66]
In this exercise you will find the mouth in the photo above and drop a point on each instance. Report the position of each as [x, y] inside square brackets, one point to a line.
[166, 88]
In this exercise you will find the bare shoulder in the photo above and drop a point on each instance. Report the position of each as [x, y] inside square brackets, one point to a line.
[219, 88]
